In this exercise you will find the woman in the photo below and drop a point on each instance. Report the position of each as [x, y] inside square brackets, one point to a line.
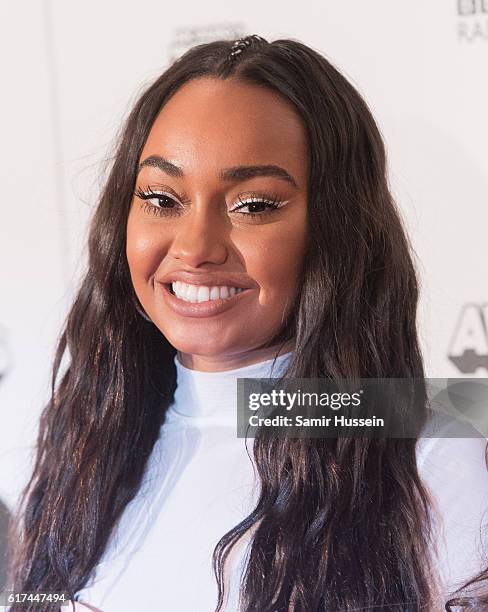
[246, 230]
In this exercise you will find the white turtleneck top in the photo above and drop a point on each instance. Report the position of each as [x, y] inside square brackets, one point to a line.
[199, 483]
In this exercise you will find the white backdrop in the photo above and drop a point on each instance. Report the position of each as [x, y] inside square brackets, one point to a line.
[70, 72]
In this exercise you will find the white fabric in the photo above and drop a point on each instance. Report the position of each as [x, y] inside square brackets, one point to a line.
[200, 483]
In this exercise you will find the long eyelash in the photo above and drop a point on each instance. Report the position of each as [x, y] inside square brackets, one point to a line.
[146, 195]
[141, 194]
[272, 201]
[151, 208]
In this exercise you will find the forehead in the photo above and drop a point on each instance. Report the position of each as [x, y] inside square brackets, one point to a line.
[227, 122]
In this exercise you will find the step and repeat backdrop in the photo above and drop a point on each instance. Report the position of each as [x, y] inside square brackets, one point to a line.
[70, 73]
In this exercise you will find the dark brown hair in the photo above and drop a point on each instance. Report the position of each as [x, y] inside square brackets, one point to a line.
[340, 524]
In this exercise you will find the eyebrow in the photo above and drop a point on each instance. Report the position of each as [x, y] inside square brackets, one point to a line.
[233, 174]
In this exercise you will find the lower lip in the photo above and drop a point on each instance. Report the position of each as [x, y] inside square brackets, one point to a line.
[209, 308]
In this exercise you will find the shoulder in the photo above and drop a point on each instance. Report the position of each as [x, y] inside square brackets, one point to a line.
[450, 453]
[455, 473]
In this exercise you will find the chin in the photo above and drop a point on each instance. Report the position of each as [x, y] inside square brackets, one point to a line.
[205, 347]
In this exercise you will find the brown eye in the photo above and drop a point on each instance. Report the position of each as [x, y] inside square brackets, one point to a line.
[257, 205]
[163, 201]
[155, 203]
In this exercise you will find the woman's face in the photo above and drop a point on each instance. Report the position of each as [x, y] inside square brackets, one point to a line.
[217, 152]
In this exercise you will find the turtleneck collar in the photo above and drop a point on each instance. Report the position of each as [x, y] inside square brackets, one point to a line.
[214, 394]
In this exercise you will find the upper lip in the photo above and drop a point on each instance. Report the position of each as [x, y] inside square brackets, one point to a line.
[209, 279]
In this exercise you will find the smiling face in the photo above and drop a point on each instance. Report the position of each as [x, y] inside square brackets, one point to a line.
[220, 200]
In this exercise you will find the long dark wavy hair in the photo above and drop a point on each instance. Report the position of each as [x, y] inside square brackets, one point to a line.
[340, 524]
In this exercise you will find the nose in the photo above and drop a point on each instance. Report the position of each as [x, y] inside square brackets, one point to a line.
[201, 237]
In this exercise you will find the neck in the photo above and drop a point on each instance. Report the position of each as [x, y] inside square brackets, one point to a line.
[221, 363]
[213, 395]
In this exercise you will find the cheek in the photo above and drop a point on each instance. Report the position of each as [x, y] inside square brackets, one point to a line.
[144, 251]
[276, 261]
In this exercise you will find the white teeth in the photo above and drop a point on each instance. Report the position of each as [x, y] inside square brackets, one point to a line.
[191, 293]
[201, 293]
